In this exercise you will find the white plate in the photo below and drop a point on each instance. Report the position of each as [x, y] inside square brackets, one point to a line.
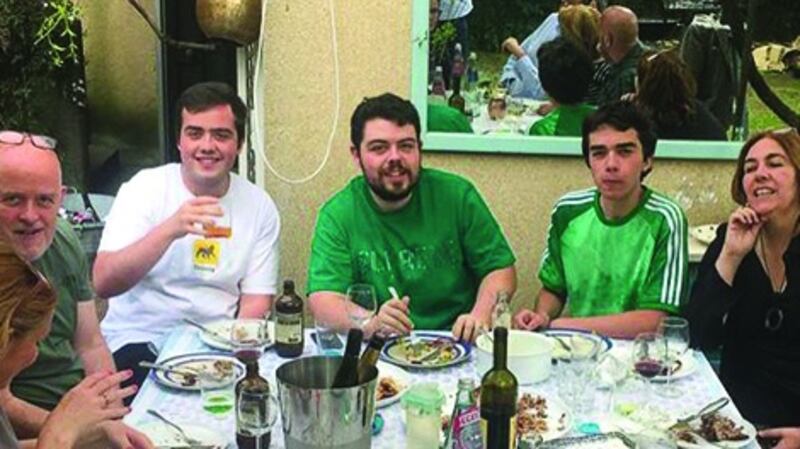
[223, 327]
[747, 428]
[704, 233]
[687, 368]
[164, 436]
[196, 361]
[556, 426]
[400, 376]
[394, 351]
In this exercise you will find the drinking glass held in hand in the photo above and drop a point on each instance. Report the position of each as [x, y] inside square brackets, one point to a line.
[361, 304]
[675, 331]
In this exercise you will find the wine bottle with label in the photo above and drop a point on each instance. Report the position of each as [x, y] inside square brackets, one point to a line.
[347, 375]
[370, 357]
[499, 398]
[289, 322]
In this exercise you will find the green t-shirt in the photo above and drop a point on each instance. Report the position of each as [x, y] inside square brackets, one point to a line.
[564, 120]
[436, 249]
[446, 119]
[58, 367]
[604, 267]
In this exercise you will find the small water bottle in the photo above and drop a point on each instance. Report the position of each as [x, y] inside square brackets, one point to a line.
[472, 72]
[437, 87]
[501, 315]
[459, 65]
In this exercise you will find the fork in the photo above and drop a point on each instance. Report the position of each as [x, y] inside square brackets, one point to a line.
[189, 440]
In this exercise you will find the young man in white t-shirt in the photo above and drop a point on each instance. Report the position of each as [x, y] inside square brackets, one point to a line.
[161, 259]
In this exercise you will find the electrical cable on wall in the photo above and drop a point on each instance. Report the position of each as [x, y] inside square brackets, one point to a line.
[259, 74]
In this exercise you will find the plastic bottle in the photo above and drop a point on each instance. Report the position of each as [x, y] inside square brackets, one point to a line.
[465, 422]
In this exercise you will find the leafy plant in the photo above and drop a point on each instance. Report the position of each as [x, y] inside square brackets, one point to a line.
[39, 47]
[441, 38]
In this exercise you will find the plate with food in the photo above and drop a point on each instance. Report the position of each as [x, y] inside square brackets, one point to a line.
[164, 436]
[422, 350]
[220, 334]
[393, 382]
[542, 415]
[187, 370]
[683, 366]
[704, 233]
[717, 429]
[568, 339]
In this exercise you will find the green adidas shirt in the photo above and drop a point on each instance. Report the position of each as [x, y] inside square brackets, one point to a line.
[604, 267]
[564, 120]
[58, 367]
[436, 249]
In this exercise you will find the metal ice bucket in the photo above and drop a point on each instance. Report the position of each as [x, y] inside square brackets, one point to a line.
[314, 416]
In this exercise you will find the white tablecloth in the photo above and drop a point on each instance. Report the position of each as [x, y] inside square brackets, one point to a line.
[185, 407]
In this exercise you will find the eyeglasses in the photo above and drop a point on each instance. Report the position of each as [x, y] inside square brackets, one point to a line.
[17, 138]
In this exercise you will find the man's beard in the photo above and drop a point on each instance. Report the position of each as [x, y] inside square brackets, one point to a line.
[391, 196]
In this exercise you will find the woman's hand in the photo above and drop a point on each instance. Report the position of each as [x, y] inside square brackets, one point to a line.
[788, 437]
[79, 416]
[743, 228]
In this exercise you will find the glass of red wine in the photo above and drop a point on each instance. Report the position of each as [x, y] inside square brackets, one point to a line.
[649, 357]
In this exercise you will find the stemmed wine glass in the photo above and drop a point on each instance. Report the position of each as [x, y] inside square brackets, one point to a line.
[675, 331]
[361, 304]
[648, 357]
[256, 412]
[248, 337]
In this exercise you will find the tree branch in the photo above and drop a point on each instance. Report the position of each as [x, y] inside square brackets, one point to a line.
[163, 37]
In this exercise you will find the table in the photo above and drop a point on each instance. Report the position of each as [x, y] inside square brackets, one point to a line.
[185, 407]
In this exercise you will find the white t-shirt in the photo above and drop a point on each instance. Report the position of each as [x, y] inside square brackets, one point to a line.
[196, 277]
[454, 9]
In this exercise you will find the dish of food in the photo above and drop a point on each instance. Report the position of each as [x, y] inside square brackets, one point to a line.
[704, 233]
[574, 337]
[223, 328]
[537, 414]
[393, 382]
[164, 436]
[716, 428]
[425, 351]
[191, 368]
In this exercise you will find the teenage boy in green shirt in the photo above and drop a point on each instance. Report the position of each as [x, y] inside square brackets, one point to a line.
[616, 255]
[425, 232]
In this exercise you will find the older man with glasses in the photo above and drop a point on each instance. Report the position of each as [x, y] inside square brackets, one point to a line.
[30, 197]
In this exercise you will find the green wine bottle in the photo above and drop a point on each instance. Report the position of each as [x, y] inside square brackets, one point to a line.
[347, 375]
[370, 357]
[499, 398]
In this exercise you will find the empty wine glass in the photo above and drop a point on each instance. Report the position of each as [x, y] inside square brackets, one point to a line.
[648, 358]
[675, 331]
[361, 304]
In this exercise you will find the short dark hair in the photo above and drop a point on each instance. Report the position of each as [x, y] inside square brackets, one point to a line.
[204, 96]
[622, 116]
[387, 106]
[565, 70]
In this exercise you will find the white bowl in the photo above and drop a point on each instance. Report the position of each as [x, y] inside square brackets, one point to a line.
[529, 355]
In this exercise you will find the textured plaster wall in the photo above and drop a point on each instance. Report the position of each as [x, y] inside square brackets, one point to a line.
[374, 53]
[121, 79]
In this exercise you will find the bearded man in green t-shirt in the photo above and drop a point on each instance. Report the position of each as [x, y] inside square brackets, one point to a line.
[426, 233]
[616, 254]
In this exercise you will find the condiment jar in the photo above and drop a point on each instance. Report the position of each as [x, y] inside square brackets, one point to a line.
[423, 405]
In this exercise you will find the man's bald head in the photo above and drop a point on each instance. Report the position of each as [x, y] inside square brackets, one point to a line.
[620, 31]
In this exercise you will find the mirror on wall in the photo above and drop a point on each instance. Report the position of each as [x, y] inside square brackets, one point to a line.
[502, 117]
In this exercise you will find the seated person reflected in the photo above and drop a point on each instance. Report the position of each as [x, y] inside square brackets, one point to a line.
[425, 232]
[616, 255]
[565, 73]
[666, 91]
[621, 49]
[520, 74]
[443, 118]
[745, 298]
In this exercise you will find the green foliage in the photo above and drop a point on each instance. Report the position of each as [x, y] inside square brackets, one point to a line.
[441, 38]
[37, 40]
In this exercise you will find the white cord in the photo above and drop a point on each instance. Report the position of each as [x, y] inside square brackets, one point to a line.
[261, 142]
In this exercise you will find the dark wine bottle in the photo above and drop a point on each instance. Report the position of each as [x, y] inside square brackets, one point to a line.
[370, 357]
[347, 375]
[289, 322]
[252, 382]
[499, 398]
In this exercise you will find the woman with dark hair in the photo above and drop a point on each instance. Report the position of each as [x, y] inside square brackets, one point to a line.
[747, 294]
[86, 415]
[666, 90]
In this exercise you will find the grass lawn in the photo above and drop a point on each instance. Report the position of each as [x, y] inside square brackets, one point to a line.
[759, 118]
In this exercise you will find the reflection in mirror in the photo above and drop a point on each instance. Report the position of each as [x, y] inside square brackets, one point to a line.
[479, 100]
